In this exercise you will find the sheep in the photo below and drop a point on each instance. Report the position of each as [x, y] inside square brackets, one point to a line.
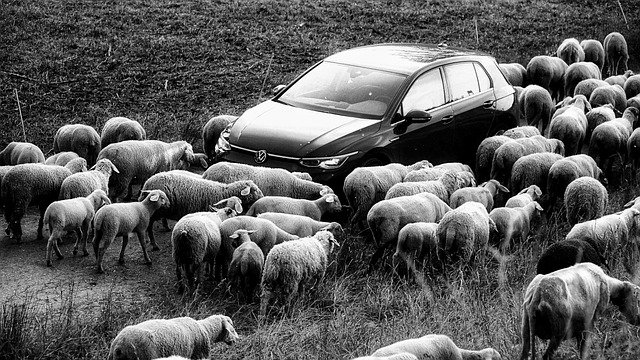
[245, 269]
[609, 143]
[138, 160]
[593, 51]
[564, 171]
[266, 235]
[586, 87]
[547, 72]
[565, 304]
[196, 241]
[446, 185]
[570, 52]
[328, 203]
[182, 336]
[119, 129]
[61, 158]
[365, 186]
[597, 116]
[569, 124]
[532, 169]
[633, 153]
[388, 217]
[72, 215]
[79, 138]
[272, 181]
[211, 133]
[484, 194]
[292, 266]
[609, 94]
[537, 106]
[616, 53]
[514, 223]
[515, 73]
[577, 72]
[619, 79]
[634, 102]
[124, 218]
[522, 131]
[435, 346]
[428, 174]
[84, 183]
[585, 199]
[632, 86]
[456, 167]
[464, 231]
[21, 153]
[302, 226]
[484, 155]
[27, 184]
[525, 196]
[565, 253]
[398, 356]
[417, 247]
[302, 175]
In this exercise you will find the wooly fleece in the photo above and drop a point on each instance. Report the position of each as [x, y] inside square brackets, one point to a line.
[515, 73]
[435, 346]
[585, 199]
[399, 356]
[548, 72]
[522, 132]
[183, 336]
[84, 183]
[577, 72]
[21, 153]
[564, 171]
[565, 253]
[598, 116]
[245, 269]
[569, 124]
[484, 155]
[119, 129]
[79, 138]
[525, 196]
[328, 203]
[302, 226]
[609, 94]
[442, 188]
[484, 194]
[513, 223]
[593, 51]
[464, 230]
[537, 107]
[211, 133]
[61, 158]
[570, 52]
[507, 154]
[586, 87]
[417, 247]
[616, 54]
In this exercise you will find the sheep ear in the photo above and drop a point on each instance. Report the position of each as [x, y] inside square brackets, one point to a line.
[114, 168]
[324, 191]
[537, 191]
[154, 197]
[330, 199]
[233, 236]
[220, 203]
[213, 208]
[629, 204]
[238, 208]
[503, 188]
[246, 191]
[538, 207]
[251, 231]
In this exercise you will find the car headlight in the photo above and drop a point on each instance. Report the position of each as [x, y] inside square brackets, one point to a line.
[223, 146]
[332, 162]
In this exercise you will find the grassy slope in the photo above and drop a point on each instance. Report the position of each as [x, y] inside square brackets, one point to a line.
[171, 65]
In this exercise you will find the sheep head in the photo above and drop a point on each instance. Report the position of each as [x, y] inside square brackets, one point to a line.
[627, 299]
[227, 333]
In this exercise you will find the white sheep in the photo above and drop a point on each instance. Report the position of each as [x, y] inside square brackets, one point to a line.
[84, 183]
[525, 196]
[435, 173]
[593, 51]
[245, 269]
[326, 204]
[620, 80]
[61, 158]
[443, 187]
[565, 304]
[522, 131]
[632, 86]
[569, 124]
[609, 94]
[532, 169]
[195, 241]
[570, 51]
[398, 356]
[21, 153]
[302, 226]
[577, 72]
[79, 138]
[616, 53]
[417, 247]
[484, 155]
[585, 199]
[597, 116]
[634, 102]
[633, 153]
[122, 219]
[586, 87]
[388, 217]
[72, 215]
[293, 266]
[548, 72]
[564, 171]
[484, 193]
[435, 346]
[365, 186]
[515, 73]
[464, 231]
[183, 336]
[211, 133]
[513, 222]
[537, 107]
[140, 159]
[119, 129]
[302, 175]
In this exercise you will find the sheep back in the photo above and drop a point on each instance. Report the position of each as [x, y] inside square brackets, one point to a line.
[585, 199]
[21, 153]
[119, 129]
[211, 132]
[79, 138]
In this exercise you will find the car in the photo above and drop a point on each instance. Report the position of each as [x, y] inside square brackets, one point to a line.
[373, 105]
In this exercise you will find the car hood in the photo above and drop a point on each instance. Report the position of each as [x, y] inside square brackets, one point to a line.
[286, 130]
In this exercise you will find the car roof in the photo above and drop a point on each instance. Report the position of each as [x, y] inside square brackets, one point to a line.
[399, 57]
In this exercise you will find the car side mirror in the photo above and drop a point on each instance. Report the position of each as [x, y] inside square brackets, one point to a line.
[417, 116]
[276, 90]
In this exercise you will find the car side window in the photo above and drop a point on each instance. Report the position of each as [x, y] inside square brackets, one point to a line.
[462, 79]
[426, 93]
[483, 79]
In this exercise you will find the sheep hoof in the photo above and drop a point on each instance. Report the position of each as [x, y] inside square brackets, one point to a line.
[155, 248]
[100, 270]
[48, 263]
[60, 257]
[148, 262]
[121, 261]
[75, 252]
[85, 253]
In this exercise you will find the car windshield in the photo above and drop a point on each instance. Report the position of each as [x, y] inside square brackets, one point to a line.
[344, 90]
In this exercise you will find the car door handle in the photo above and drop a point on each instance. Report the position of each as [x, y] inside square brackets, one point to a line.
[488, 104]
[447, 119]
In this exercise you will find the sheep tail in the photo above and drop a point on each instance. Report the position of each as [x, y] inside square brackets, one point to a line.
[182, 248]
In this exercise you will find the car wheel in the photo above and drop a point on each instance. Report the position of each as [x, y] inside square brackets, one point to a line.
[373, 161]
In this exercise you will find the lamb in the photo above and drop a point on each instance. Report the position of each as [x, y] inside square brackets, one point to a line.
[328, 203]
[266, 235]
[79, 138]
[292, 266]
[565, 253]
[514, 223]
[245, 270]
[417, 247]
[570, 52]
[61, 158]
[188, 194]
[302, 226]
[484, 194]
[569, 124]
[598, 116]
[619, 79]
[72, 215]
[211, 133]
[616, 54]
[586, 87]
[124, 218]
[464, 231]
[365, 186]
[525, 196]
[515, 73]
[548, 72]
[388, 217]
[21, 153]
[84, 183]
[585, 199]
[435, 346]
[565, 304]
[537, 106]
[272, 181]
[577, 72]
[564, 171]
[140, 159]
[485, 153]
[195, 241]
[446, 185]
[182, 336]
[593, 51]
[532, 169]
[632, 86]
[119, 129]
[609, 94]
[27, 184]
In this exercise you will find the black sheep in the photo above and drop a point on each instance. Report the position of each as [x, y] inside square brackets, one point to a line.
[566, 253]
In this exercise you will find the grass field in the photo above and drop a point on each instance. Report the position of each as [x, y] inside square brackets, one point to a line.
[173, 64]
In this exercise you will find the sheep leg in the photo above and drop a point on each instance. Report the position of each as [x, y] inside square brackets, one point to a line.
[140, 234]
[51, 245]
[79, 237]
[554, 343]
[125, 241]
[583, 341]
[152, 238]
[43, 208]
[378, 255]
[526, 339]
[179, 277]
[265, 298]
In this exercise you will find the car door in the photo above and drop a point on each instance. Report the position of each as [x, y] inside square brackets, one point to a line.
[432, 139]
[473, 105]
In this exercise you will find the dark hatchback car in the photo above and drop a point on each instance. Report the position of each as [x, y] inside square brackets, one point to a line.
[373, 105]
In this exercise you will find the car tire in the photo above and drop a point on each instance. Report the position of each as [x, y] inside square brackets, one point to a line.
[373, 161]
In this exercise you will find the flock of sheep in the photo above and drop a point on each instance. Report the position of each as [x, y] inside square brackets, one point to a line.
[263, 229]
